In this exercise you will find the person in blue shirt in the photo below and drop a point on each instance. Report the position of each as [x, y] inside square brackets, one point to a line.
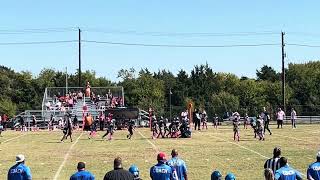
[285, 172]
[19, 171]
[313, 172]
[82, 174]
[216, 175]
[161, 171]
[178, 165]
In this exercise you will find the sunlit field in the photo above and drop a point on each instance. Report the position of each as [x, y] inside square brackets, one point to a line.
[205, 151]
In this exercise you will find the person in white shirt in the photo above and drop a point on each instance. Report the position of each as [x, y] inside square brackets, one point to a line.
[293, 118]
[280, 117]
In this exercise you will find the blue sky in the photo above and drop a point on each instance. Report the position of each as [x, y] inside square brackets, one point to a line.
[299, 19]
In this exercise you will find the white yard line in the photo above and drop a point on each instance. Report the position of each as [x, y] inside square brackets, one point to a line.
[153, 145]
[13, 138]
[65, 158]
[295, 138]
[243, 147]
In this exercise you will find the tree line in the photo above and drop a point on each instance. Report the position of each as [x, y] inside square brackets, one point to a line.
[215, 92]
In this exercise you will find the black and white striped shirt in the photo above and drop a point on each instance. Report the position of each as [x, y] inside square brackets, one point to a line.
[273, 164]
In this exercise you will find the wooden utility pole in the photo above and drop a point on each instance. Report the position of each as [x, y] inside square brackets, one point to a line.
[79, 73]
[283, 73]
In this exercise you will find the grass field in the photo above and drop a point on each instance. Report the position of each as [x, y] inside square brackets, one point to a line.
[205, 151]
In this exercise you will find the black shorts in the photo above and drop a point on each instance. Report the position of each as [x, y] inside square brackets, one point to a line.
[87, 128]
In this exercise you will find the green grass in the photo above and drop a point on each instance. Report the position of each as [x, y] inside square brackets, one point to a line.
[206, 150]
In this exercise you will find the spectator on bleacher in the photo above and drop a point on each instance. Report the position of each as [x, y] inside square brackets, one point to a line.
[268, 174]
[216, 175]
[293, 118]
[286, 172]
[58, 105]
[280, 117]
[313, 172]
[161, 171]
[118, 173]
[135, 171]
[82, 174]
[48, 105]
[178, 165]
[88, 89]
[19, 171]
[230, 176]
[274, 163]
[80, 95]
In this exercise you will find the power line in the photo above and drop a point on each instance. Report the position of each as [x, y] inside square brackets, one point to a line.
[37, 42]
[180, 46]
[303, 45]
[36, 31]
[190, 34]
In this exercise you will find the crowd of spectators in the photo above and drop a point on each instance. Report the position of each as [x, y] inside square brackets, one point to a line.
[275, 168]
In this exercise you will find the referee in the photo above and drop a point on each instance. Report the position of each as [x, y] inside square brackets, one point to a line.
[274, 163]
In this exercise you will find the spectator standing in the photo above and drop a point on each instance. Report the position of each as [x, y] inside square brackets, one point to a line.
[286, 172]
[204, 119]
[88, 89]
[19, 171]
[178, 165]
[293, 118]
[118, 173]
[280, 117]
[215, 121]
[161, 171]
[246, 121]
[4, 121]
[268, 174]
[34, 123]
[313, 172]
[274, 163]
[82, 174]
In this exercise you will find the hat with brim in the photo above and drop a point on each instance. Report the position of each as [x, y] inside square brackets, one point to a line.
[20, 158]
[161, 157]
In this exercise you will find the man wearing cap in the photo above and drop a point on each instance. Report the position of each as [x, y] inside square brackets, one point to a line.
[274, 163]
[82, 174]
[286, 172]
[118, 173]
[19, 171]
[313, 172]
[161, 171]
[178, 165]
